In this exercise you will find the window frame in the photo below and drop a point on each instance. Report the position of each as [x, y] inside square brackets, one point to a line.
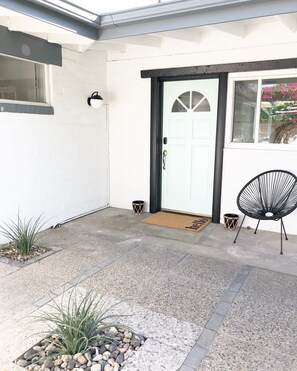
[259, 76]
[19, 106]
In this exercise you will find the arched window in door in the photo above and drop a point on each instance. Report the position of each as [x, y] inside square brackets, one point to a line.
[191, 100]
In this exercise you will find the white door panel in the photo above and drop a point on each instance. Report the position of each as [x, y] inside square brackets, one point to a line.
[189, 123]
[200, 185]
[177, 129]
[201, 128]
[176, 172]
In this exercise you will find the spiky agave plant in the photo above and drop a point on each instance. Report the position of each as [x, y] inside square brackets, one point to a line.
[80, 321]
[22, 234]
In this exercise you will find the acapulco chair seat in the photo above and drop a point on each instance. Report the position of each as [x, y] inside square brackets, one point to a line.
[269, 196]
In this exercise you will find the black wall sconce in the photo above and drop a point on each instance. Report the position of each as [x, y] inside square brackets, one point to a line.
[95, 100]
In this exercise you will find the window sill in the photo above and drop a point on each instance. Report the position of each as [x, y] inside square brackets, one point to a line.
[26, 108]
[262, 147]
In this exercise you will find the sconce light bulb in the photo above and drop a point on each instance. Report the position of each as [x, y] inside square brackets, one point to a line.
[95, 100]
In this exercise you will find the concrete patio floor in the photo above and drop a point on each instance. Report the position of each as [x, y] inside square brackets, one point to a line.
[203, 302]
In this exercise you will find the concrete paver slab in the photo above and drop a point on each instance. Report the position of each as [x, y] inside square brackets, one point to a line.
[271, 286]
[155, 354]
[261, 250]
[23, 289]
[179, 282]
[207, 270]
[6, 269]
[233, 354]
[156, 278]
[264, 312]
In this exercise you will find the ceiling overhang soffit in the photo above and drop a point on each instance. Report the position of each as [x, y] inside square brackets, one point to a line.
[79, 25]
[179, 15]
[149, 27]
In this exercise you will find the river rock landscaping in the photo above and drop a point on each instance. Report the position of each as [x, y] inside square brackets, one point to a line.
[10, 253]
[110, 356]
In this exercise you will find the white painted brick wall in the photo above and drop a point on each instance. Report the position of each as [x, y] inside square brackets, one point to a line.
[57, 164]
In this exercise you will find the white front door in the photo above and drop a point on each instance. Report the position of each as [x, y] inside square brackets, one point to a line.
[188, 153]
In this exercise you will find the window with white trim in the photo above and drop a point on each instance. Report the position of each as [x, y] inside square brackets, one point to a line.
[22, 81]
[264, 109]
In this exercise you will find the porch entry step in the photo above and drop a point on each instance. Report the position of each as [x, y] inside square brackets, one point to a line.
[186, 222]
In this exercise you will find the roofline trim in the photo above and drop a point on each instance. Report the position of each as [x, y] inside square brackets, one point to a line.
[163, 10]
[186, 14]
[152, 18]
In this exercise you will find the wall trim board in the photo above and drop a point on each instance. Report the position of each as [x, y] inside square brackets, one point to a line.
[21, 45]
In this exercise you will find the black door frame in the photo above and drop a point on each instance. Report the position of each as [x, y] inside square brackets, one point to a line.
[158, 76]
[157, 136]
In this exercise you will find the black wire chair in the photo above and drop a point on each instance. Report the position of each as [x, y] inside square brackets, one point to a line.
[269, 196]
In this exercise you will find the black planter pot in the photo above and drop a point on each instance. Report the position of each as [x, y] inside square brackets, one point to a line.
[230, 221]
[138, 207]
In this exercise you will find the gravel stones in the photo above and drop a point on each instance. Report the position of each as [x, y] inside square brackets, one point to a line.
[22, 363]
[96, 368]
[101, 357]
[81, 359]
[11, 253]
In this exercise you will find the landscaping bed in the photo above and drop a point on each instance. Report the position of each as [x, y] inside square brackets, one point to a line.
[100, 357]
[11, 253]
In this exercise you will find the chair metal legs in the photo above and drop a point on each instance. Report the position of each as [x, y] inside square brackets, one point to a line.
[239, 229]
[282, 229]
[257, 226]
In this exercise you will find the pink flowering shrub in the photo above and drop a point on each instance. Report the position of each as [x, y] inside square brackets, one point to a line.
[283, 99]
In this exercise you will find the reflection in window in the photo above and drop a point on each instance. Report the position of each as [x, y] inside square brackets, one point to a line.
[191, 100]
[178, 106]
[196, 98]
[278, 118]
[185, 99]
[245, 100]
[21, 80]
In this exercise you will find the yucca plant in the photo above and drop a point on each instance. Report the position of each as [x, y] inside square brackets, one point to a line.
[22, 234]
[79, 322]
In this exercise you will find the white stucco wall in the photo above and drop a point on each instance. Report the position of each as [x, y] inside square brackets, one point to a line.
[129, 98]
[241, 165]
[57, 164]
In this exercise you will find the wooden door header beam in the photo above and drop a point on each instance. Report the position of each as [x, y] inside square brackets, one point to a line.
[221, 68]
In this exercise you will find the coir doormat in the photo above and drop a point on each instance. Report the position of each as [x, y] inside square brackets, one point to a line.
[179, 221]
